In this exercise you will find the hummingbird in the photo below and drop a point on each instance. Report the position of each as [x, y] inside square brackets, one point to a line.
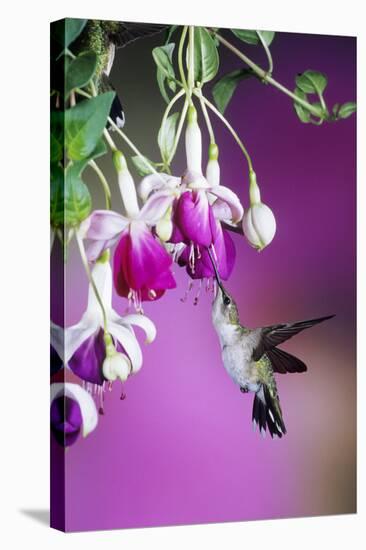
[251, 357]
[103, 38]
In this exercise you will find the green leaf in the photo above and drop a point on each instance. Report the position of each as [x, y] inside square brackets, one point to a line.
[303, 114]
[57, 195]
[335, 109]
[57, 135]
[223, 89]
[312, 82]
[268, 37]
[67, 30]
[171, 31]
[206, 58]
[166, 136]
[163, 57]
[80, 71]
[251, 37]
[77, 201]
[99, 151]
[141, 167]
[73, 27]
[347, 109]
[84, 125]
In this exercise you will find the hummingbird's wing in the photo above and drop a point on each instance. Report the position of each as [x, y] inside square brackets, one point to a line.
[272, 336]
[283, 362]
[129, 32]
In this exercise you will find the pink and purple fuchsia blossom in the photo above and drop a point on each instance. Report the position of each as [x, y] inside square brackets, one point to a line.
[180, 222]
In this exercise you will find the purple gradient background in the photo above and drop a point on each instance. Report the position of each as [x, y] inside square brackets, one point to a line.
[180, 449]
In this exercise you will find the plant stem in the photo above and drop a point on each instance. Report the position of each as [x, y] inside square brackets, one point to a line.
[268, 52]
[207, 118]
[180, 58]
[191, 62]
[134, 148]
[84, 260]
[109, 140]
[179, 131]
[229, 127]
[106, 189]
[266, 77]
[169, 107]
[83, 93]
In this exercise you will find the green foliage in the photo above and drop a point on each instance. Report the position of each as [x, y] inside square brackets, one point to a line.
[170, 32]
[57, 135]
[302, 112]
[347, 109]
[84, 125]
[223, 89]
[312, 82]
[251, 37]
[163, 57]
[57, 195]
[206, 57]
[66, 31]
[166, 137]
[77, 199]
[142, 168]
[80, 71]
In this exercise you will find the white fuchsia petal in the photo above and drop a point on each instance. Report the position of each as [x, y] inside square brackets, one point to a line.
[193, 141]
[103, 225]
[128, 193]
[156, 207]
[156, 182]
[213, 172]
[142, 322]
[231, 199]
[126, 337]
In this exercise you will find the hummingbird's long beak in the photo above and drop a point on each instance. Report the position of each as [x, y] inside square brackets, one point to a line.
[217, 276]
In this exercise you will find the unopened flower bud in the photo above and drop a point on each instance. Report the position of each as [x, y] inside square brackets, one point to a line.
[213, 167]
[116, 366]
[259, 223]
[164, 229]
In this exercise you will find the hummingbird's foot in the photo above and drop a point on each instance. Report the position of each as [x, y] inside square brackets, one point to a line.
[244, 389]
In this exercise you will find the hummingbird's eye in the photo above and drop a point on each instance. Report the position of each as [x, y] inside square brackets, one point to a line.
[227, 300]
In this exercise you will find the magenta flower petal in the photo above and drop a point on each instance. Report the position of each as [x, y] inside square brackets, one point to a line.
[200, 266]
[192, 216]
[141, 264]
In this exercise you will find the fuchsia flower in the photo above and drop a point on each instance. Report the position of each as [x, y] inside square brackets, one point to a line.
[141, 263]
[73, 411]
[200, 204]
[92, 354]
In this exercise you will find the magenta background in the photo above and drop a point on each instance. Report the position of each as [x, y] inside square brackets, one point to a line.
[180, 449]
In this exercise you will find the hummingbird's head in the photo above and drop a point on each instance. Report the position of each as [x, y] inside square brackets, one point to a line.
[224, 309]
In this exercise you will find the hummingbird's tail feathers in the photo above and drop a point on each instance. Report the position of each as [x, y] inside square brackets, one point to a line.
[274, 335]
[267, 413]
[116, 113]
[284, 362]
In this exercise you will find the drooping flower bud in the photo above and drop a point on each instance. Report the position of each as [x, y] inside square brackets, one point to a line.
[116, 364]
[164, 227]
[259, 223]
[193, 142]
[213, 167]
[126, 185]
